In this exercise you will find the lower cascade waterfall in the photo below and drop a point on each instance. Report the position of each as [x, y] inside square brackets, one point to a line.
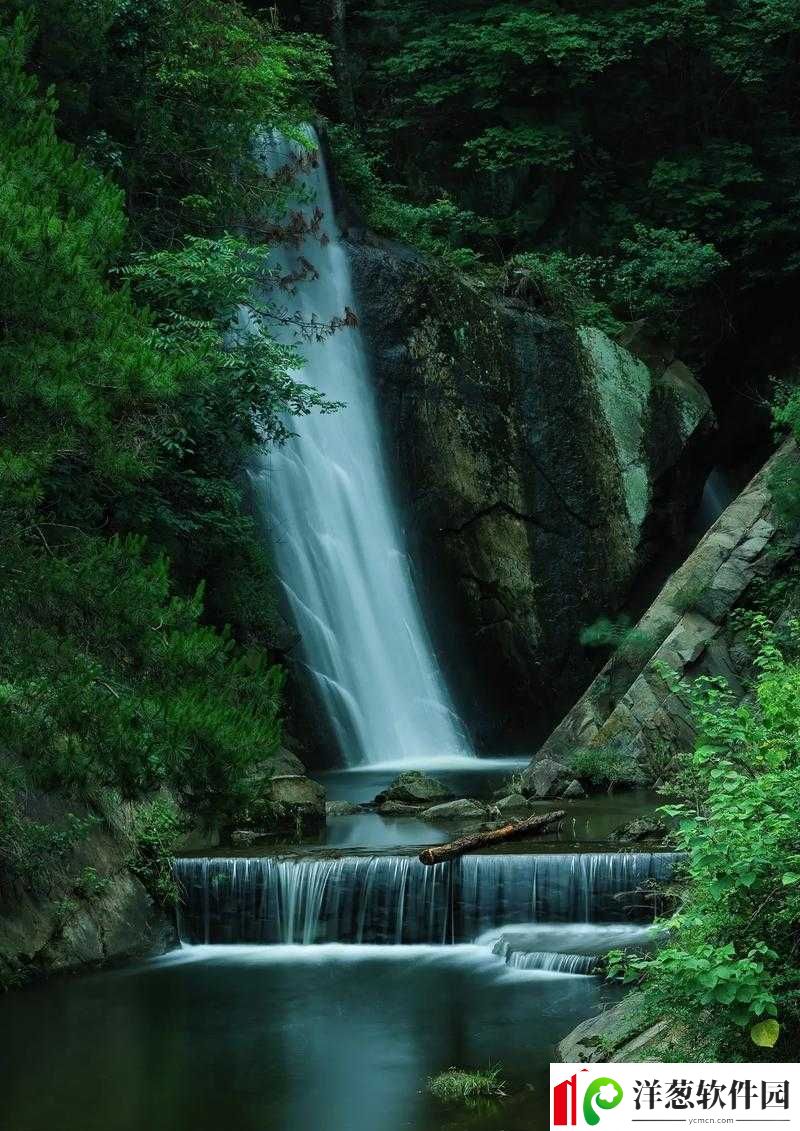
[328, 506]
[396, 899]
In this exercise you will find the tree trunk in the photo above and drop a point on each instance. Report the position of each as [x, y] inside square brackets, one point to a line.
[529, 827]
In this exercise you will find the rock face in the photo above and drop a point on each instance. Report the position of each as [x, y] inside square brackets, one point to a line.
[414, 788]
[629, 708]
[90, 908]
[532, 486]
[618, 1034]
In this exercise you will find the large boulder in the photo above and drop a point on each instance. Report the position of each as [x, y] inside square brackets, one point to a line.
[286, 801]
[461, 810]
[414, 788]
[621, 1033]
[513, 804]
[532, 486]
[630, 709]
[546, 778]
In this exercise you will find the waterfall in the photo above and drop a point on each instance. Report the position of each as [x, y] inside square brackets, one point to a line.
[574, 949]
[396, 899]
[337, 542]
[552, 961]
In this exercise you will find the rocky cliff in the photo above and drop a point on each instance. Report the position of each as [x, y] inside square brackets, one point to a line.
[76, 900]
[538, 468]
[630, 708]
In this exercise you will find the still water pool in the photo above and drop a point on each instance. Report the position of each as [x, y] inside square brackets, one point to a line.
[284, 1038]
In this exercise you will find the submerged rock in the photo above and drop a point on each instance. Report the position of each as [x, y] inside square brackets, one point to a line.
[460, 810]
[399, 809]
[342, 808]
[414, 788]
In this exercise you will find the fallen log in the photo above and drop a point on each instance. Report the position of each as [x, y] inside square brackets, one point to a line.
[529, 827]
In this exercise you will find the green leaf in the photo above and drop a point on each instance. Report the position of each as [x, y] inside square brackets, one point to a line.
[790, 878]
[765, 1034]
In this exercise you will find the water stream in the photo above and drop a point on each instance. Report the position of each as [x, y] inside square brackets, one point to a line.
[377, 973]
[396, 899]
[327, 501]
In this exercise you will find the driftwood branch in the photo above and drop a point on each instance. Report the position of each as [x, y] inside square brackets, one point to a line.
[529, 827]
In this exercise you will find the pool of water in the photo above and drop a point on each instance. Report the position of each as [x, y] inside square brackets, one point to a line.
[465, 777]
[588, 821]
[285, 1038]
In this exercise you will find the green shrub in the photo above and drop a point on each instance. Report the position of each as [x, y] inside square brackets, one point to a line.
[156, 827]
[604, 767]
[32, 851]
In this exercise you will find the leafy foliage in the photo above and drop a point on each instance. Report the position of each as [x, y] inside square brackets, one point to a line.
[731, 961]
[604, 767]
[661, 136]
[128, 401]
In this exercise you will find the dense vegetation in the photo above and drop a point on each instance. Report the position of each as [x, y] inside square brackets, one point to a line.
[648, 151]
[125, 414]
[731, 962]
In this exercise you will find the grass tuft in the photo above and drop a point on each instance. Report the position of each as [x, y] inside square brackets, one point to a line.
[459, 1084]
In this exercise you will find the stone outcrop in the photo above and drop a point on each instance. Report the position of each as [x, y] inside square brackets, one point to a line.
[88, 907]
[414, 788]
[621, 1033]
[538, 469]
[288, 803]
[463, 809]
[630, 707]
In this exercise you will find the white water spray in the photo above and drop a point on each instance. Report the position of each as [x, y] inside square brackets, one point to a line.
[338, 546]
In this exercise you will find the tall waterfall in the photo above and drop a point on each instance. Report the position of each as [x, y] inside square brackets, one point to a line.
[337, 542]
[396, 899]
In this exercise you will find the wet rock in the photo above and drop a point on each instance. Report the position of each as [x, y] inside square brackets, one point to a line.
[342, 808]
[461, 810]
[546, 778]
[513, 803]
[618, 1034]
[414, 788]
[478, 394]
[574, 789]
[642, 828]
[398, 809]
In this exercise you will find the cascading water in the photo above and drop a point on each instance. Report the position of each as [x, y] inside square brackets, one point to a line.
[337, 541]
[395, 899]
